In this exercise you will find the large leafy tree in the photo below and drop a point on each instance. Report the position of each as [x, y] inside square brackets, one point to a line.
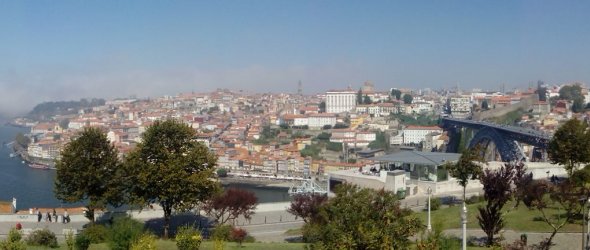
[170, 168]
[230, 205]
[89, 171]
[570, 146]
[361, 219]
[307, 206]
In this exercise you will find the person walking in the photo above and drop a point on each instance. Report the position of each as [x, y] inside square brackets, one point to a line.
[48, 216]
[54, 216]
[66, 218]
[39, 215]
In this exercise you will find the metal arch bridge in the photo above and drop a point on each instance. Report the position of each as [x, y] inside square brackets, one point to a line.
[505, 137]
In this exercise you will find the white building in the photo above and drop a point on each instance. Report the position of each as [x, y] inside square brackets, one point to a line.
[417, 134]
[460, 106]
[320, 120]
[340, 101]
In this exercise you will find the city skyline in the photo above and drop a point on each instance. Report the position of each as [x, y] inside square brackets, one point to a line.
[70, 50]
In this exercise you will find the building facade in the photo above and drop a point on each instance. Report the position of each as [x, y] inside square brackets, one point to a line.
[340, 101]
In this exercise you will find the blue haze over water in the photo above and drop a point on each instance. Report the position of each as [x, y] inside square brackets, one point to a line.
[34, 187]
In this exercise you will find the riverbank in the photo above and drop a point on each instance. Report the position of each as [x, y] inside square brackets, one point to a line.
[260, 182]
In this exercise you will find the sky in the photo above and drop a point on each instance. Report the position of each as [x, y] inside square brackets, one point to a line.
[67, 50]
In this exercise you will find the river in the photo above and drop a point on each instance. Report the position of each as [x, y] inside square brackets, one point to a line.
[34, 187]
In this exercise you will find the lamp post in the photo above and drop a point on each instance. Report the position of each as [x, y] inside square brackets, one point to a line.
[464, 222]
[429, 192]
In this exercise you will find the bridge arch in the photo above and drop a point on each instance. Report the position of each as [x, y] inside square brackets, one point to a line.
[508, 148]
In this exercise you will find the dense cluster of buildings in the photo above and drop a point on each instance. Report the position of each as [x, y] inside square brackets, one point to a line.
[265, 133]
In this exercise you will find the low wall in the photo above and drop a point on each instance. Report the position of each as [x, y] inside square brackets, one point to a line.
[33, 218]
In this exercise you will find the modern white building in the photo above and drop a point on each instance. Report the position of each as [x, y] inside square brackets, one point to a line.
[340, 101]
[417, 134]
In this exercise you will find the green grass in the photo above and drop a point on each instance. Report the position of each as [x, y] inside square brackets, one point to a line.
[521, 219]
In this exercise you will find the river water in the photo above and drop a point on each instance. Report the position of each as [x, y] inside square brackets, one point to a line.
[34, 187]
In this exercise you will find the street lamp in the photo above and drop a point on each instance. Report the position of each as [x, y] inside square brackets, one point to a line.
[464, 222]
[429, 192]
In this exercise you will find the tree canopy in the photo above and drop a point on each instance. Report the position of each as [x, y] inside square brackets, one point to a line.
[396, 93]
[408, 99]
[170, 168]
[573, 93]
[570, 145]
[89, 171]
[361, 219]
[230, 205]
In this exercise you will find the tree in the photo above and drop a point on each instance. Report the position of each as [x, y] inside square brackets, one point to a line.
[521, 181]
[89, 171]
[362, 219]
[238, 235]
[396, 93]
[573, 93]
[170, 168]
[565, 197]
[322, 107]
[497, 187]
[22, 140]
[230, 205]
[485, 105]
[359, 97]
[408, 99]
[367, 100]
[570, 145]
[307, 206]
[464, 169]
[381, 141]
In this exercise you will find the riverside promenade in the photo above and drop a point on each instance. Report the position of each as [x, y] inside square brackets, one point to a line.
[268, 224]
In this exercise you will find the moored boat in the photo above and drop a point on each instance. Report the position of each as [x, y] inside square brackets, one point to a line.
[38, 166]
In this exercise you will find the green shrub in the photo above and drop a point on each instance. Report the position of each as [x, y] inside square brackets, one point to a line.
[146, 241]
[96, 233]
[42, 237]
[188, 238]
[221, 232]
[474, 199]
[70, 240]
[221, 172]
[13, 241]
[435, 204]
[82, 242]
[124, 231]
[249, 239]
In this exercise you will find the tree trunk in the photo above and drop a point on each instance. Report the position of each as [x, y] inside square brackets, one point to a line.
[549, 241]
[167, 213]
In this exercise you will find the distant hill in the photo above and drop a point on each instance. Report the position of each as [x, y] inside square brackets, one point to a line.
[46, 110]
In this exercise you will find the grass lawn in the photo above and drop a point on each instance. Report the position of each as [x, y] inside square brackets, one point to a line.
[520, 219]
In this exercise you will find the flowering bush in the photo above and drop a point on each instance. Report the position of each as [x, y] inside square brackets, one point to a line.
[188, 238]
[146, 241]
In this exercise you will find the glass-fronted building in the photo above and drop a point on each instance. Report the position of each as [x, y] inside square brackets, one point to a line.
[418, 165]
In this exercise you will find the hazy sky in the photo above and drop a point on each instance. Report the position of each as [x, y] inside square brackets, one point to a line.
[62, 50]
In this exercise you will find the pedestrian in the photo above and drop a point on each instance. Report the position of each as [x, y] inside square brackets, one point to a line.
[54, 216]
[66, 218]
[39, 215]
[48, 216]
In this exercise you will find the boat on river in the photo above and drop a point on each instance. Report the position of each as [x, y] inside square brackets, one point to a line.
[40, 166]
